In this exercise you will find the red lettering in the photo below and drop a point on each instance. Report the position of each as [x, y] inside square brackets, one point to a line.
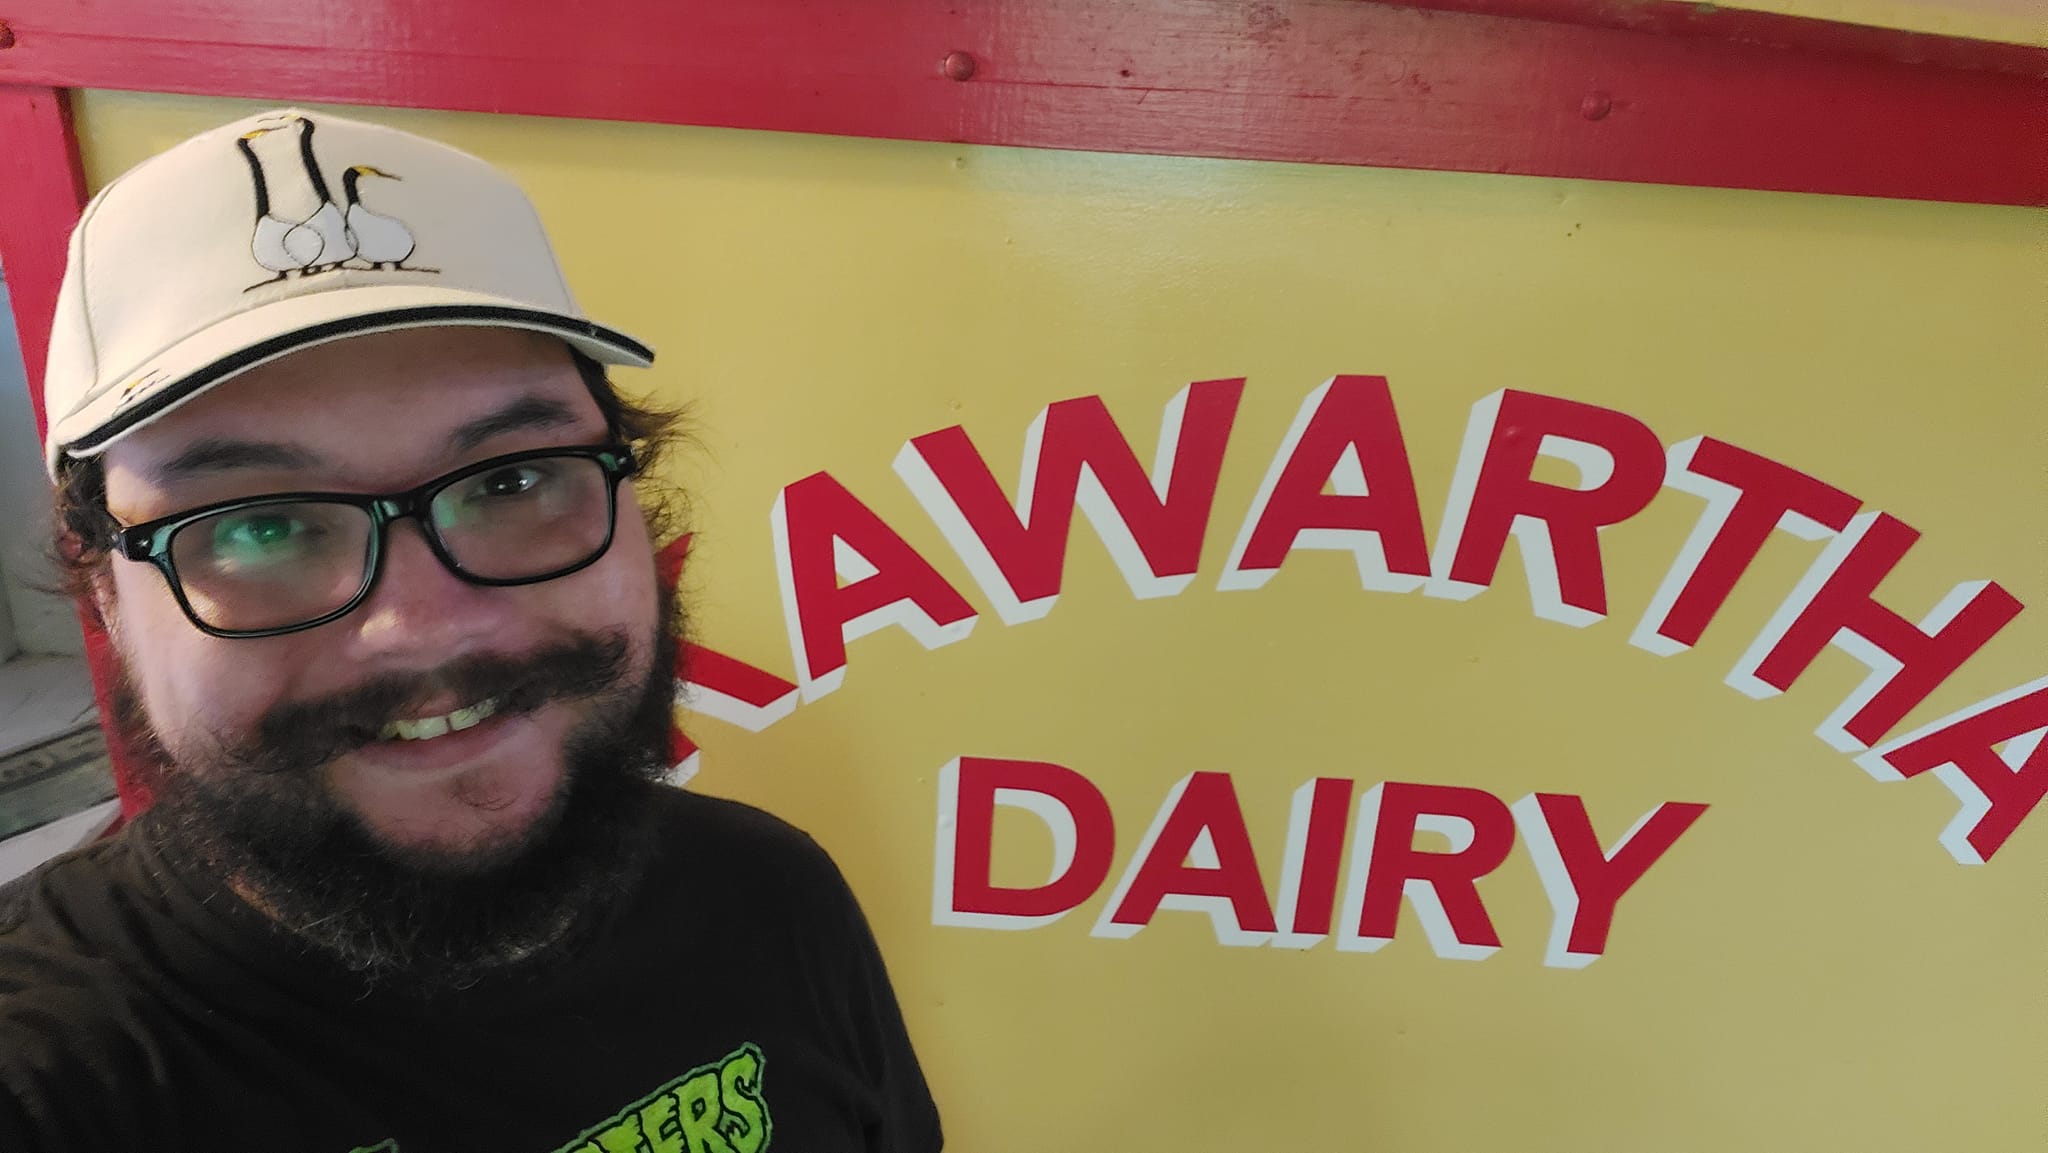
[732, 690]
[683, 757]
[1076, 455]
[1199, 820]
[670, 560]
[1084, 841]
[1316, 826]
[1833, 605]
[1998, 790]
[1583, 881]
[716, 685]
[823, 533]
[1621, 467]
[1748, 496]
[1442, 887]
[1347, 438]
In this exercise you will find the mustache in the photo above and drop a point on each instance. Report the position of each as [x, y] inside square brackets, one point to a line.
[299, 736]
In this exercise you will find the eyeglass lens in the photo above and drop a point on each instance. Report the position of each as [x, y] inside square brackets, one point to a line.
[271, 566]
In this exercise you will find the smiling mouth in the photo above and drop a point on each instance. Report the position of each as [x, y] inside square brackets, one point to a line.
[427, 728]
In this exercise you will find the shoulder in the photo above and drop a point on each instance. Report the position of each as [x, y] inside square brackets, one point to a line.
[70, 1026]
[61, 933]
[734, 831]
[751, 859]
[63, 892]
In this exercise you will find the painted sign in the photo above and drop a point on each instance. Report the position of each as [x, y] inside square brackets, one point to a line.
[1256, 635]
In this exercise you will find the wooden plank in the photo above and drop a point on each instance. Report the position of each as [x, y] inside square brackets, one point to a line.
[42, 189]
[1327, 81]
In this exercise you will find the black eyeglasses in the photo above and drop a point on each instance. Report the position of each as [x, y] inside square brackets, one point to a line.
[267, 565]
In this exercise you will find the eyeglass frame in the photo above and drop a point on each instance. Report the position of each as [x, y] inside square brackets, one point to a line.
[150, 541]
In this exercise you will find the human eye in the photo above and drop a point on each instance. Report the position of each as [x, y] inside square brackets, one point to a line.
[513, 480]
[526, 488]
[526, 480]
[261, 538]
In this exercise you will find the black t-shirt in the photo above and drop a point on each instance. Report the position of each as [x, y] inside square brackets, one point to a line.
[733, 1002]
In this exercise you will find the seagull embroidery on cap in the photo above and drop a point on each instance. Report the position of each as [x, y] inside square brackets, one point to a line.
[379, 240]
[335, 245]
[329, 238]
[279, 245]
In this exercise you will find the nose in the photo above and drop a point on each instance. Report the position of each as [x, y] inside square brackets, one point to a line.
[422, 614]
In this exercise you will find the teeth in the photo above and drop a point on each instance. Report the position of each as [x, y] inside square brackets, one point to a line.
[467, 718]
[427, 728]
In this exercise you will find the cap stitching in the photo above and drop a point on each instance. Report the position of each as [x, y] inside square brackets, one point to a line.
[92, 340]
[92, 208]
[252, 355]
[548, 243]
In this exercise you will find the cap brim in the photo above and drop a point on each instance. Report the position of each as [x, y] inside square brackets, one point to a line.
[243, 341]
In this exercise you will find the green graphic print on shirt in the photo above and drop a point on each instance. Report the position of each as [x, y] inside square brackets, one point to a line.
[715, 1108]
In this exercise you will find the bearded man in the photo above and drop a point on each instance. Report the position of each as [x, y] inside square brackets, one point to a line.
[362, 515]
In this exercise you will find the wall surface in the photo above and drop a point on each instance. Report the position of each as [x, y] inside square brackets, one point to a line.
[39, 622]
[1804, 965]
[2011, 21]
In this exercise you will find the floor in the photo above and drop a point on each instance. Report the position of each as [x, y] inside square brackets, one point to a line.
[40, 698]
[56, 790]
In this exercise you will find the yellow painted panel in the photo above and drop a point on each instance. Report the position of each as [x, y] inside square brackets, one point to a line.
[1806, 969]
[2011, 21]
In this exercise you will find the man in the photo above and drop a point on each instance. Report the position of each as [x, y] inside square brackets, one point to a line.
[357, 505]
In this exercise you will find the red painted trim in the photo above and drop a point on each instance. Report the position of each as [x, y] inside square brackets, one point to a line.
[42, 189]
[1328, 81]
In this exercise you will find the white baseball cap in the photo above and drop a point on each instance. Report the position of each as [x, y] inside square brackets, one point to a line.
[281, 231]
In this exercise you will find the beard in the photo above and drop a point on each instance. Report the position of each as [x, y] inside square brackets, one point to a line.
[259, 815]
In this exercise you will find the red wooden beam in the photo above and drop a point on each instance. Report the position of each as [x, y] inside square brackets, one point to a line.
[42, 189]
[1330, 81]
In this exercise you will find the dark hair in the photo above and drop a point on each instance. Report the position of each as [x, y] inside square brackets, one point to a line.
[82, 527]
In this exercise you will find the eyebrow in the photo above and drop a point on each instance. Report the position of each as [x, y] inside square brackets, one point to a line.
[527, 412]
[218, 454]
[221, 454]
